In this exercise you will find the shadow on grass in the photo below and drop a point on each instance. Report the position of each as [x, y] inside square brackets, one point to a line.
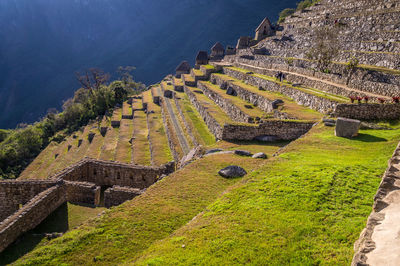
[55, 222]
[279, 143]
[368, 138]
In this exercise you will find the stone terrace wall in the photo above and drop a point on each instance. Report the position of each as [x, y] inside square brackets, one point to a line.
[31, 215]
[376, 82]
[104, 173]
[230, 108]
[319, 104]
[281, 129]
[16, 193]
[188, 128]
[389, 185]
[82, 193]
[369, 111]
[211, 123]
[117, 195]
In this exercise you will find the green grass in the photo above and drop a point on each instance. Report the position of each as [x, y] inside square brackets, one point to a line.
[117, 115]
[188, 77]
[208, 66]
[178, 82]
[215, 111]
[197, 72]
[124, 148]
[158, 137]
[307, 207]
[129, 229]
[141, 148]
[290, 107]
[126, 109]
[199, 128]
[236, 101]
[311, 91]
[109, 145]
[66, 217]
[165, 86]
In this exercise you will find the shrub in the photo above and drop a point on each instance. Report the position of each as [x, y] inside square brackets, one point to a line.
[366, 98]
[381, 100]
[284, 14]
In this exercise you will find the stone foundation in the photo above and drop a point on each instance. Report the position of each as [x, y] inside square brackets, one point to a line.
[117, 195]
[371, 111]
[83, 193]
[31, 214]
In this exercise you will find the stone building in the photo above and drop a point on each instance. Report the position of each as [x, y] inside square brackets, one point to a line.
[217, 51]
[183, 68]
[201, 58]
[264, 30]
[243, 42]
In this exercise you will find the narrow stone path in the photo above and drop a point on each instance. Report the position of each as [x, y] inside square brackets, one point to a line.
[320, 80]
[177, 126]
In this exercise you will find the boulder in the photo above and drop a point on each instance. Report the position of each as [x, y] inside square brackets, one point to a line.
[346, 127]
[243, 153]
[168, 93]
[277, 103]
[259, 155]
[232, 171]
[231, 91]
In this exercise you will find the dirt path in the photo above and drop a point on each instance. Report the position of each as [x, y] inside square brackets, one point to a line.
[177, 126]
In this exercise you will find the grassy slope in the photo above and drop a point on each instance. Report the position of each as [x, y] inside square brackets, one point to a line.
[141, 148]
[124, 148]
[127, 230]
[305, 208]
[68, 216]
[199, 128]
[158, 138]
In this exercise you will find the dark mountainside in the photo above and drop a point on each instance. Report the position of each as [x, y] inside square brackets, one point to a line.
[44, 42]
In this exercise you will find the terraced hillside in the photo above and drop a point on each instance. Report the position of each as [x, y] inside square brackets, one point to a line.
[305, 203]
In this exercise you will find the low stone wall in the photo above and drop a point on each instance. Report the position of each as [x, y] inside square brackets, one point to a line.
[210, 121]
[31, 214]
[82, 193]
[319, 104]
[117, 195]
[280, 129]
[105, 173]
[261, 102]
[167, 125]
[228, 106]
[382, 200]
[371, 111]
[188, 128]
[207, 71]
[13, 194]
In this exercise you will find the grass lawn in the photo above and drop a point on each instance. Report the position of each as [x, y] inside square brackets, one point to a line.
[290, 107]
[158, 138]
[307, 207]
[124, 148]
[214, 110]
[198, 127]
[110, 143]
[126, 109]
[312, 91]
[124, 232]
[67, 217]
[244, 106]
[141, 148]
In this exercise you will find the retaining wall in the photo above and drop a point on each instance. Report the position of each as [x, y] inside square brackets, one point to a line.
[82, 193]
[117, 195]
[31, 214]
[13, 194]
[319, 104]
[385, 195]
[371, 111]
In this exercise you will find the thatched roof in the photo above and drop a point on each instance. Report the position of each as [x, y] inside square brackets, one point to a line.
[262, 23]
[202, 56]
[184, 66]
[218, 47]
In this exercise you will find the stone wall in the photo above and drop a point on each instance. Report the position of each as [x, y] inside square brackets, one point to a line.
[106, 173]
[14, 194]
[280, 129]
[215, 128]
[382, 200]
[168, 132]
[188, 128]
[228, 106]
[320, 104]
[82, 193]
[31, 214]
[371, 111]
[117, 195]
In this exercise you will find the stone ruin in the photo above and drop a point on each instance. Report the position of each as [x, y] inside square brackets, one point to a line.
[25, 204]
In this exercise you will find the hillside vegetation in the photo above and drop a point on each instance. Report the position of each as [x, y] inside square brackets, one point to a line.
[306, 206]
